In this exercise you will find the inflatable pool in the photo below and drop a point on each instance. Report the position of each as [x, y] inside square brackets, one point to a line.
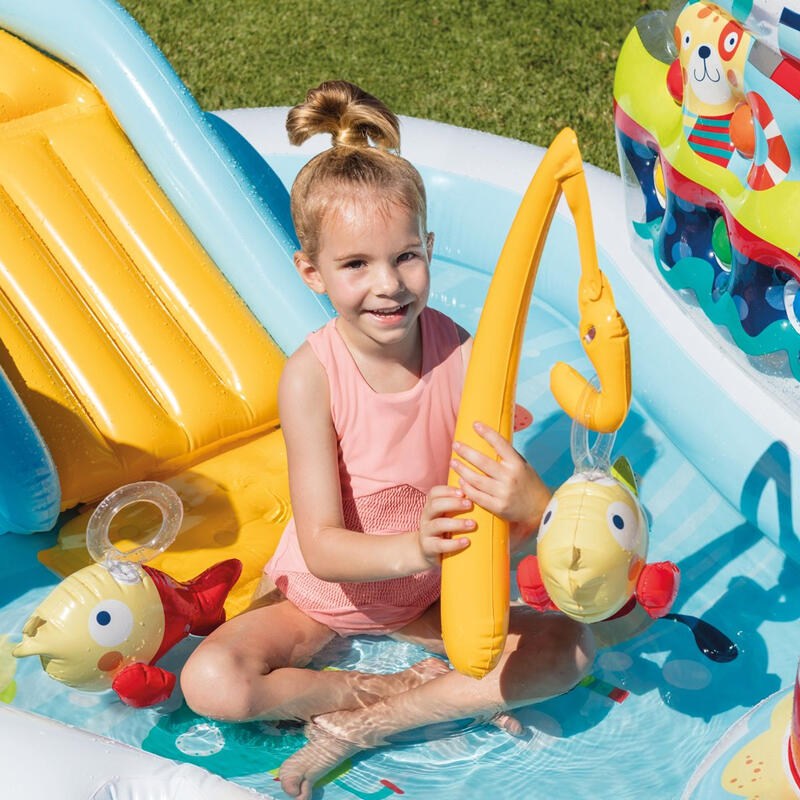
[147, 299]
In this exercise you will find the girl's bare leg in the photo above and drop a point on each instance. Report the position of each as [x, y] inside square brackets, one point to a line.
[545, 655]
[426, 631]
[251, 668]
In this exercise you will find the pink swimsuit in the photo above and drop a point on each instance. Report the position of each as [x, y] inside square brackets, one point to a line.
[393, 448]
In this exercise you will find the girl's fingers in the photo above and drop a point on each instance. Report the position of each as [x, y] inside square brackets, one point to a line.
[477, 479]
[445, 491]
[501, 445]
[443, 525]
[483, 462]
[480, 498]
[449, 545]
[449, 505]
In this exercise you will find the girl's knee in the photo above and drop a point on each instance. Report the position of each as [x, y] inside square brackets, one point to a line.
[562, 649]
[575, 651]
[216, 684]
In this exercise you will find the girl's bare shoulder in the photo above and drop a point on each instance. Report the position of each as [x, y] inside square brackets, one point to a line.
[303, 382]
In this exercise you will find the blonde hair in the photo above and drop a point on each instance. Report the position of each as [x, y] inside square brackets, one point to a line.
[356, 121]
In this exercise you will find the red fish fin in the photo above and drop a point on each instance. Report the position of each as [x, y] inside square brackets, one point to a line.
[675, 81]
[529, 580]
[657, 588]
[140, 685]
[209, 591]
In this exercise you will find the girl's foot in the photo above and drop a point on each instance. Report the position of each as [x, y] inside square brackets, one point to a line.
[321, 754]
[377, 685]
[506, 721]
[325, 749]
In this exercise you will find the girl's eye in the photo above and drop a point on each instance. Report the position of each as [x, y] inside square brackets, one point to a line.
[355, 264]
[406, 257]
[110, 623]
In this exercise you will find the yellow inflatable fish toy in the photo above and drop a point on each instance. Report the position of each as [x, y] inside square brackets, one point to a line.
[106, 625]
[592, 550]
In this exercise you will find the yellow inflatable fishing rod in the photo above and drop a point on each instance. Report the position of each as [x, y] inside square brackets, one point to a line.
[475, 581]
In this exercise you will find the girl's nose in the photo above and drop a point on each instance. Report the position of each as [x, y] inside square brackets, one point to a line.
[388, 280]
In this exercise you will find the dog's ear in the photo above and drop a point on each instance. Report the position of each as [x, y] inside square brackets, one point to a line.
[675, 81]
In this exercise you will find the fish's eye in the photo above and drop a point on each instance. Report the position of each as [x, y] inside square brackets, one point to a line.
[623, 522]
[547, 517]
[110, 623]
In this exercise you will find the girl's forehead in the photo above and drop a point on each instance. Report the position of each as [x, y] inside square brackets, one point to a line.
[366, 213]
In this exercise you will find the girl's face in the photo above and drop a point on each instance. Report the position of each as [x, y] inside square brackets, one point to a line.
[373, 263]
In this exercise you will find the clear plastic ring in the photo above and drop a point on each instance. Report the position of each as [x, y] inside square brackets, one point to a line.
[124, 564]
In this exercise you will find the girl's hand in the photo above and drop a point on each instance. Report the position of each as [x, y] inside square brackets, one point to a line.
[509, 487]
[436, 526]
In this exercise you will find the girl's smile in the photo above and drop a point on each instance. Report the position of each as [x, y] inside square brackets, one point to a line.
[389, 316]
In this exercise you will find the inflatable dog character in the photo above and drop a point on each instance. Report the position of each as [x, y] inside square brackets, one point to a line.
[719, 114]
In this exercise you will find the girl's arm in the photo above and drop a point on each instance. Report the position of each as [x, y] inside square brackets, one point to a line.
[332, 552]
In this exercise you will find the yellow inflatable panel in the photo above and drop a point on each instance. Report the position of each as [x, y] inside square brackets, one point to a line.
[129, 348]
[475, 581]
[235, 505]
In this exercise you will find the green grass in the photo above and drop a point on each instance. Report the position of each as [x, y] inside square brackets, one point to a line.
[517, 68]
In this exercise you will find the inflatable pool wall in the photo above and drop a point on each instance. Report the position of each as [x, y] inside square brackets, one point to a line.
[708, 128]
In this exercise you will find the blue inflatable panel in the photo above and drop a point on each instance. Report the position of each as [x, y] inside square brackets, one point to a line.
[264, 179]
[183, 151]
[30, 493]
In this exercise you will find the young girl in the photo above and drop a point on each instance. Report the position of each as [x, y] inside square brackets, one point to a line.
[368, 407]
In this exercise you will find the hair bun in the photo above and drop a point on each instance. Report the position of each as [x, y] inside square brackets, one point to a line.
[353, 117]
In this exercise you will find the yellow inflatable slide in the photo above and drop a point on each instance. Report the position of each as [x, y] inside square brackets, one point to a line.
[131, 351]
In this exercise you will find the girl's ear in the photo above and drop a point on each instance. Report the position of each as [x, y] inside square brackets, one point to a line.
[429, 245]
[308, 272]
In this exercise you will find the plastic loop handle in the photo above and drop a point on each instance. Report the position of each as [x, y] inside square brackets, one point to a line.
[597, 457]
[124, 565]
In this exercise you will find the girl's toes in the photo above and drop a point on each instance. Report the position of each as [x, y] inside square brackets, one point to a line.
[294, 785]
[509, 723]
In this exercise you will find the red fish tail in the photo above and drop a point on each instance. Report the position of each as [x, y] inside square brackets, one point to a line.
[208, 592]
[196, 606]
